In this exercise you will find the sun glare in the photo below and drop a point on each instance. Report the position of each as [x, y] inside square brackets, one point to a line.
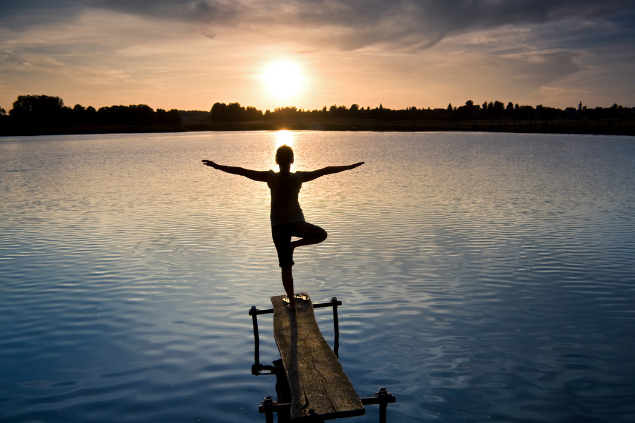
[284, 137]
[283, 79]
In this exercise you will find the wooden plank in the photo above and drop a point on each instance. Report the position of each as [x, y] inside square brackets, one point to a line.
[317, 381]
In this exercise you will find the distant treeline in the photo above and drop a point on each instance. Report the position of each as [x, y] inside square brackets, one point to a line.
[51, 111]
[47, 114]
[496, 110]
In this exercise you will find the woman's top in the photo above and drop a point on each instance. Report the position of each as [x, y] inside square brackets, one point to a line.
[285, 207]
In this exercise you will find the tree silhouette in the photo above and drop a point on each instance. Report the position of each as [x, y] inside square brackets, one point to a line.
[234, 112]
[47, 114]
[37, 108]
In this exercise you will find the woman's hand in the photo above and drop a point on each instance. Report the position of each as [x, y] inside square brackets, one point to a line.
[210, 164]
[353, 166]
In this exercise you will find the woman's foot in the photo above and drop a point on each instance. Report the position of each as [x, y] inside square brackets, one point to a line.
[289, 302]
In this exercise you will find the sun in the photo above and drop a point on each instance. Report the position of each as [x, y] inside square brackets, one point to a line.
[283, 79]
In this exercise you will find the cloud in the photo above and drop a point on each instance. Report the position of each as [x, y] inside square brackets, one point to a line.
[420, 24]
[355, 24]
[339, 24]
[16, 15]
[206, 11]
[544, 67]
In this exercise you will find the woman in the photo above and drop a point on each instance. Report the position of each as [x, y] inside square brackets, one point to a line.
[287, 219]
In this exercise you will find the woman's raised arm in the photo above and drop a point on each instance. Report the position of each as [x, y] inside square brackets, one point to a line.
[235, 170]
[329, 170]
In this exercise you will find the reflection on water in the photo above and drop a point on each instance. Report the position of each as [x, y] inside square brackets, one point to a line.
[284, 137]
[483, 276]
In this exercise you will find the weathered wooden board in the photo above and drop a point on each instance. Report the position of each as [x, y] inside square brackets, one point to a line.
[318, 383]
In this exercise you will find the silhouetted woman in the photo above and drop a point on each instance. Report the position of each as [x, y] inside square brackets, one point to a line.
[287, 219]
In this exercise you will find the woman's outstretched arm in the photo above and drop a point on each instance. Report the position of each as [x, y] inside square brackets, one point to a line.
[329, 170]
[234, 170]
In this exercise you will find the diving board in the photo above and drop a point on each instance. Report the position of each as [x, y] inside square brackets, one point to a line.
[319, 387]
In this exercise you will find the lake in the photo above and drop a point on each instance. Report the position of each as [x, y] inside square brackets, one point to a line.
[484, 277]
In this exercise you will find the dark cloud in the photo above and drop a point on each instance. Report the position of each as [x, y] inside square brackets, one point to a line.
[16, 14]
[343, 24]
[540, 68]
[422, 23]
[353, 24]
[11, 7]
[207, 11]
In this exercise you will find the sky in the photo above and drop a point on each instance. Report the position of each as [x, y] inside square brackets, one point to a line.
[191, 54]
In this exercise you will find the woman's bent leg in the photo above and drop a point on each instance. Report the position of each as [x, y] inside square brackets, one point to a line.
[308, 234]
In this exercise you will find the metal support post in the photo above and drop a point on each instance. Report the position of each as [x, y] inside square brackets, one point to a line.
[254, 318]
[336, 325]
[267, 406]
[382, 393]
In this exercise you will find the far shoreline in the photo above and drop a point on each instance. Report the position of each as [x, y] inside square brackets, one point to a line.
[617, 126]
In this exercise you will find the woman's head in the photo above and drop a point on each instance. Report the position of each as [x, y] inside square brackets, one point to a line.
[284, 155]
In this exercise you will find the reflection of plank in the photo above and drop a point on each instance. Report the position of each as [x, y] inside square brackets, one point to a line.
[318, 383]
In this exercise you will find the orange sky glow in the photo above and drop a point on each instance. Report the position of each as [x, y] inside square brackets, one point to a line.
[189, 55]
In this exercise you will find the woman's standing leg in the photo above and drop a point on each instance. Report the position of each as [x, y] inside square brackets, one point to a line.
[281, 235]
[287, 283]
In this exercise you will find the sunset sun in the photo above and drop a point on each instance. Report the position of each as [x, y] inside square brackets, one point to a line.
[283, 79]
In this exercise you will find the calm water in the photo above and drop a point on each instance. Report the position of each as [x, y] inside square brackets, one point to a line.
[485, 277]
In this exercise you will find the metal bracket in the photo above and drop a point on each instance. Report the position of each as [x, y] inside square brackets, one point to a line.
[269, 406]
[382, 397]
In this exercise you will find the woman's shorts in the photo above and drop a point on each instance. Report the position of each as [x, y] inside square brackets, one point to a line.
[282, 234]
